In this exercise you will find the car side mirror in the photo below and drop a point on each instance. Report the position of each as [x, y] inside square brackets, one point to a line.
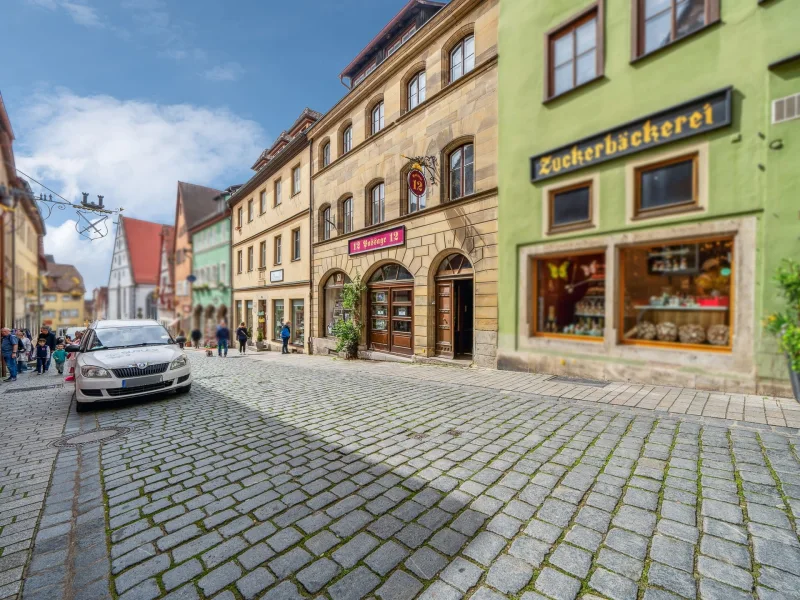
[180, 339]
[73, 348]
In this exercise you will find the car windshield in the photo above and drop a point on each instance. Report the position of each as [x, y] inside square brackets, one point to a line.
[130, 337]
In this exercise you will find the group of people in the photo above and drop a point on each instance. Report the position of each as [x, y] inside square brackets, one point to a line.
[223, 336]
[18, 349]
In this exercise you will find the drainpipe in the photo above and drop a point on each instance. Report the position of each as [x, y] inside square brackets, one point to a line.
[310, 311]
[14, 266]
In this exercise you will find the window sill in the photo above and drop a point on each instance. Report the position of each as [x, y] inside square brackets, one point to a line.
[667, 211]
[296, 259]
[549, 99]
[556, 230]
[295, 194]
[678, 346]
[642, 57]
[566, 336]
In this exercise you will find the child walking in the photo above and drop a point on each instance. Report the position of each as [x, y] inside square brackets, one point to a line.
[42, 356]
[60, 356]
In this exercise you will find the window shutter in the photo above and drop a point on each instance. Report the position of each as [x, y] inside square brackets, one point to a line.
[786, 109]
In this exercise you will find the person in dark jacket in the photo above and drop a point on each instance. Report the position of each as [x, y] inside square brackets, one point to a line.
[223, 337]
[50, 341]
[10, 347]
[196, 336]
[42, 356]
[286, 333]
[241, 337]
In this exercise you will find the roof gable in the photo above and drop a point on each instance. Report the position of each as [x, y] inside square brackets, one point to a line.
[197, 202]
[143, 239]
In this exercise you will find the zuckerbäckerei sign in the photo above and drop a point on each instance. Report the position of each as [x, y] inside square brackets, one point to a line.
[676, 123]
[378, 241]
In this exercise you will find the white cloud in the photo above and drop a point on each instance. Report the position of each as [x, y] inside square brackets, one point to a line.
[131, 152]
[79, 11]
[228, 72]
[92, 259]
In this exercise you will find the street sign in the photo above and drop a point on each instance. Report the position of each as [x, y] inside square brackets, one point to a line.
[417, 183]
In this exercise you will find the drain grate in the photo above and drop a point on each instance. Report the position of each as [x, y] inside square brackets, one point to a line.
[34, 388]
[76, 440]
[578, 381]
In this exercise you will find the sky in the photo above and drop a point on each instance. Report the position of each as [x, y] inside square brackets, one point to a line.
[123, 98]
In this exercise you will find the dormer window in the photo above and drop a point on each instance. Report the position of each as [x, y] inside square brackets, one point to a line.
[363, 75]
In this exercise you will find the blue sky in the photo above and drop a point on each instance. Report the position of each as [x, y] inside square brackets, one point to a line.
[125, 97]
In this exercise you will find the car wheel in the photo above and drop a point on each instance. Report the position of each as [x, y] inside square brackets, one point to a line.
[81, 406]
[184, 390]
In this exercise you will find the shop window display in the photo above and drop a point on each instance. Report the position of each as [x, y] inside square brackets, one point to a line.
[570, 295]
[334, 309]
[298, 322]
[678, 294]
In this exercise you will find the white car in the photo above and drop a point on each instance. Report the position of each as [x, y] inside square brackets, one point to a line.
[128, 359]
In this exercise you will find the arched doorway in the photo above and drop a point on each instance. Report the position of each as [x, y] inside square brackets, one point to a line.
[391, 310]
[454, 307]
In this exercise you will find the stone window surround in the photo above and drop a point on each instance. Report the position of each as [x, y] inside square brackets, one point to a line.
[739, 359]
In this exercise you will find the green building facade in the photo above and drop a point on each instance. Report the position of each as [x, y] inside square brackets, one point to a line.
[650, 186]
[211, 291]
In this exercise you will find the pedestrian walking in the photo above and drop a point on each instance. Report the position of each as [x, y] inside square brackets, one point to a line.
[223, 337]
[60, 356]
[9, 347]
[286, 333]
[241, 337]
[42, 356]
[197, 335]
[24, 354]
[46, 333]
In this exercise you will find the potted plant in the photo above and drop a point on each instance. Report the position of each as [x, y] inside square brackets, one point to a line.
[786, 325]
[348, 332]
[260, 345]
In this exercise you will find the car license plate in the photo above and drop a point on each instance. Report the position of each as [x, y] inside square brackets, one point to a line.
[139, 381]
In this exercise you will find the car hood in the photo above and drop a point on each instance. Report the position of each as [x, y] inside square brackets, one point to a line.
[126, 357]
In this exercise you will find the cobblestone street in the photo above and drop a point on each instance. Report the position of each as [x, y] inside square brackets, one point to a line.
[283, 477]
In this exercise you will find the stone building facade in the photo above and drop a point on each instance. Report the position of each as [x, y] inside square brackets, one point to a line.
[424, 87]
[270, 239]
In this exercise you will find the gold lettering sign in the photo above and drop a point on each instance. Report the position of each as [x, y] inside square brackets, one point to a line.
[679, 122]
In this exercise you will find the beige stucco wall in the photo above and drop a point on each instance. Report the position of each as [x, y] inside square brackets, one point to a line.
[463, 110]
[27, 268]
[62, 301]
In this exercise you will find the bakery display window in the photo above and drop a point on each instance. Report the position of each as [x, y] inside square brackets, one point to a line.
[678, 294]
[570, 295]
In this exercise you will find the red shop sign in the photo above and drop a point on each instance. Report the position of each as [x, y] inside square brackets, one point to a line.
[417, 182]
[378, 241]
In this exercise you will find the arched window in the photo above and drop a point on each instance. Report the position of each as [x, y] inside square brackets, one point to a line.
[377, 118]
[376, 204]
[462, 58]
[461, 171]
[391, 272]
[326, 154]
[326, 224]
[347, 215]
[332, 308]
[347, 139]
[416, 90]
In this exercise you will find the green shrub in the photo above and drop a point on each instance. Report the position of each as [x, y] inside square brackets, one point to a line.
[348, 333]
[786, 325]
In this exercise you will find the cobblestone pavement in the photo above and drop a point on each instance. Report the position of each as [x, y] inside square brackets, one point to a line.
[289, 477]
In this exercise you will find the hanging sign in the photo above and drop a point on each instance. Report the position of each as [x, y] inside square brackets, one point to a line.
[378, 241]
[679, 122]
[417, 184]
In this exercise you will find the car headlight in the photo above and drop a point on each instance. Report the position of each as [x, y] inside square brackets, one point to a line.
[178, 362]
[95, 372]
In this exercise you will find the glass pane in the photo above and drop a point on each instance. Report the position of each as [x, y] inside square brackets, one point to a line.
[586, 68]
[277, 318]
[402, 296]
[657, 31]
[571, 207]
[562, 78]
[380, 310]
[469, 54]
[390, 272]
[570, 295]
[690, 16]
[653, 7]
[585, 37]
[455, 183]
[678, 294]
[422, 87]
[298, 322]
[455, 160]
[562, 50]
[413, 93]
[379, 325]
[380, 297]
[668, 185]
[401, 326]
[469, 178]
[456, 66]
[401, 311]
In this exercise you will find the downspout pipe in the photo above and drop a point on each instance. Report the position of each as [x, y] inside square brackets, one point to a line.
[311, 307]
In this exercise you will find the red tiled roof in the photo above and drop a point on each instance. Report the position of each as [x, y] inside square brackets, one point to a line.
[144, 248]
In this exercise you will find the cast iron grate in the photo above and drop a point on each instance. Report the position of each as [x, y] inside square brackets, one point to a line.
[578, 381]
[95, 436]
[34, 388]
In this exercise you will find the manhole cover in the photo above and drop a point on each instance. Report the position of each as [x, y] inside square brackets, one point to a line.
[34, 388]
[90, 437]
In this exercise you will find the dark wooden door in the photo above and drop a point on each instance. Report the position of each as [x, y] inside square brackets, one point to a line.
[444, 318]
[392, 319]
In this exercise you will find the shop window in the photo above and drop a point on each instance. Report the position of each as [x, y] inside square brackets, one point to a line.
[662, 22]
[277, 319]
[570, 207]
[298, 322]
[248, 317]
[569, 298]
[333, 309]
[666, 187]
[678, 294]
[575, 53]
[239, 312]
